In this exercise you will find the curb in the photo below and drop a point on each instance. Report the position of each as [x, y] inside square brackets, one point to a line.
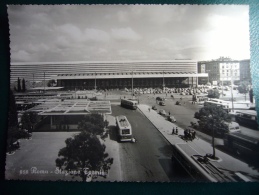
[156, 127]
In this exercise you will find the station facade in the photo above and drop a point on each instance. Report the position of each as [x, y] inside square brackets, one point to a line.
[111, 74]
[105, 75]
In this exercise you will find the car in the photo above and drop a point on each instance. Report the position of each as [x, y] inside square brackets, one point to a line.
[178, 103]
[159, 99]
[162, 112]
[154, 108]
[162, 103]
[171, 119]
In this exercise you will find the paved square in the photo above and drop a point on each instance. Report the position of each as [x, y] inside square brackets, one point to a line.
[35, 160]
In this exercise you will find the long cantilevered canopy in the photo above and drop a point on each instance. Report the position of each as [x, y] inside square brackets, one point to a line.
[72, 107]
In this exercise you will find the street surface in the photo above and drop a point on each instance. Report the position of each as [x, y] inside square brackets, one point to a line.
[149, 159]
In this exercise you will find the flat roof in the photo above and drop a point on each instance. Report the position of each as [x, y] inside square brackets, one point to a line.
[72, 107]
[103, 62]
[46, 88]
[250, 112]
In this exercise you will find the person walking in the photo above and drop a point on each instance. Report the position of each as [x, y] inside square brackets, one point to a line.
[173, 131]
[169, 113]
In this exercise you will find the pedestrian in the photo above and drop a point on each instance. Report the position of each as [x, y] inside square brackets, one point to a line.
[149, 109]
[193, 135]
[169, 113]
[176, 131]
[173, 131]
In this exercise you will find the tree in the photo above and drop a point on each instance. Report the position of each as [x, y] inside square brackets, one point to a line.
[82, 155]
[211, 118]
[13, 130]
[12, 112]
[243, 88]
[251, 96]
[28, 120]
[94, 124]
[95, 119]
[213, 93]
[23, 85]
[19, 85]
[51, 83]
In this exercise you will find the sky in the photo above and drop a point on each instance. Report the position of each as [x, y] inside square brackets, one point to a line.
[61, 33]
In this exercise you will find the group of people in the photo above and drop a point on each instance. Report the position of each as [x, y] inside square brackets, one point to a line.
[189, 134]
[175, 131]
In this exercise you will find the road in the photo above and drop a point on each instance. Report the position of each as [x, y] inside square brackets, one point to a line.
[149, 159]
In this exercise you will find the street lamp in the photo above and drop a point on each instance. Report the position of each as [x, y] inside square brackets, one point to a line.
[95, 83]
[232, 89]
[208, 71]
[132, 84]
[163, 81]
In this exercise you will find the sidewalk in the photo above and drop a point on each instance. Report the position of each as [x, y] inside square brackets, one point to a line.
[112, 148]
[165, 127]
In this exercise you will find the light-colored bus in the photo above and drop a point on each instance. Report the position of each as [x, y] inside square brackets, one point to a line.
[124, 128]
[247, 118]
[221, 103]
[199, 167]
[129, 103]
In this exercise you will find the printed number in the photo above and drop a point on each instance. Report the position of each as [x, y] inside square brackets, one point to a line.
[24, 172]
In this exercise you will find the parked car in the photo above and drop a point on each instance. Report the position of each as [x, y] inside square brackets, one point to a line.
[159, 99]
[162, 103]
[178, 103]
[171, 119]
[162, 112]
[154, 107]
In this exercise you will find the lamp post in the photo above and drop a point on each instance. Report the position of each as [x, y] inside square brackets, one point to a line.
[208, 71]
[132, 84]
[163, 81]
[44, 82]
[232, 89]
[33, 80]
[95, 83]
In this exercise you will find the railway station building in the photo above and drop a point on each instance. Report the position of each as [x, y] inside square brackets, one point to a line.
[112, 74]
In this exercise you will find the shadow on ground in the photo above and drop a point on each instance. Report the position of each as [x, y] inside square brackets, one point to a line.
[113, 132]
[174, 171]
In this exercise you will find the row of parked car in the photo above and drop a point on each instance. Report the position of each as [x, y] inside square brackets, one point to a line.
[168, 116]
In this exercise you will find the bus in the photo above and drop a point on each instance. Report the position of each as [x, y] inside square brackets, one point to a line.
[202, 98]
[201, 168]
[221, 103]
[129, 103]
[242, 144]
[124, 128]
[247, 118]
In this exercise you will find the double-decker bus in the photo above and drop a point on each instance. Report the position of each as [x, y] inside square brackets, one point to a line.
[247, 118]
[201, 168]
[124, 128]
[221, 103]
[242, 144]
[129, 103]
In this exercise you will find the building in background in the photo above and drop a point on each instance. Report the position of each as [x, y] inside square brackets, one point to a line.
[245, 73]
[220, 71]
